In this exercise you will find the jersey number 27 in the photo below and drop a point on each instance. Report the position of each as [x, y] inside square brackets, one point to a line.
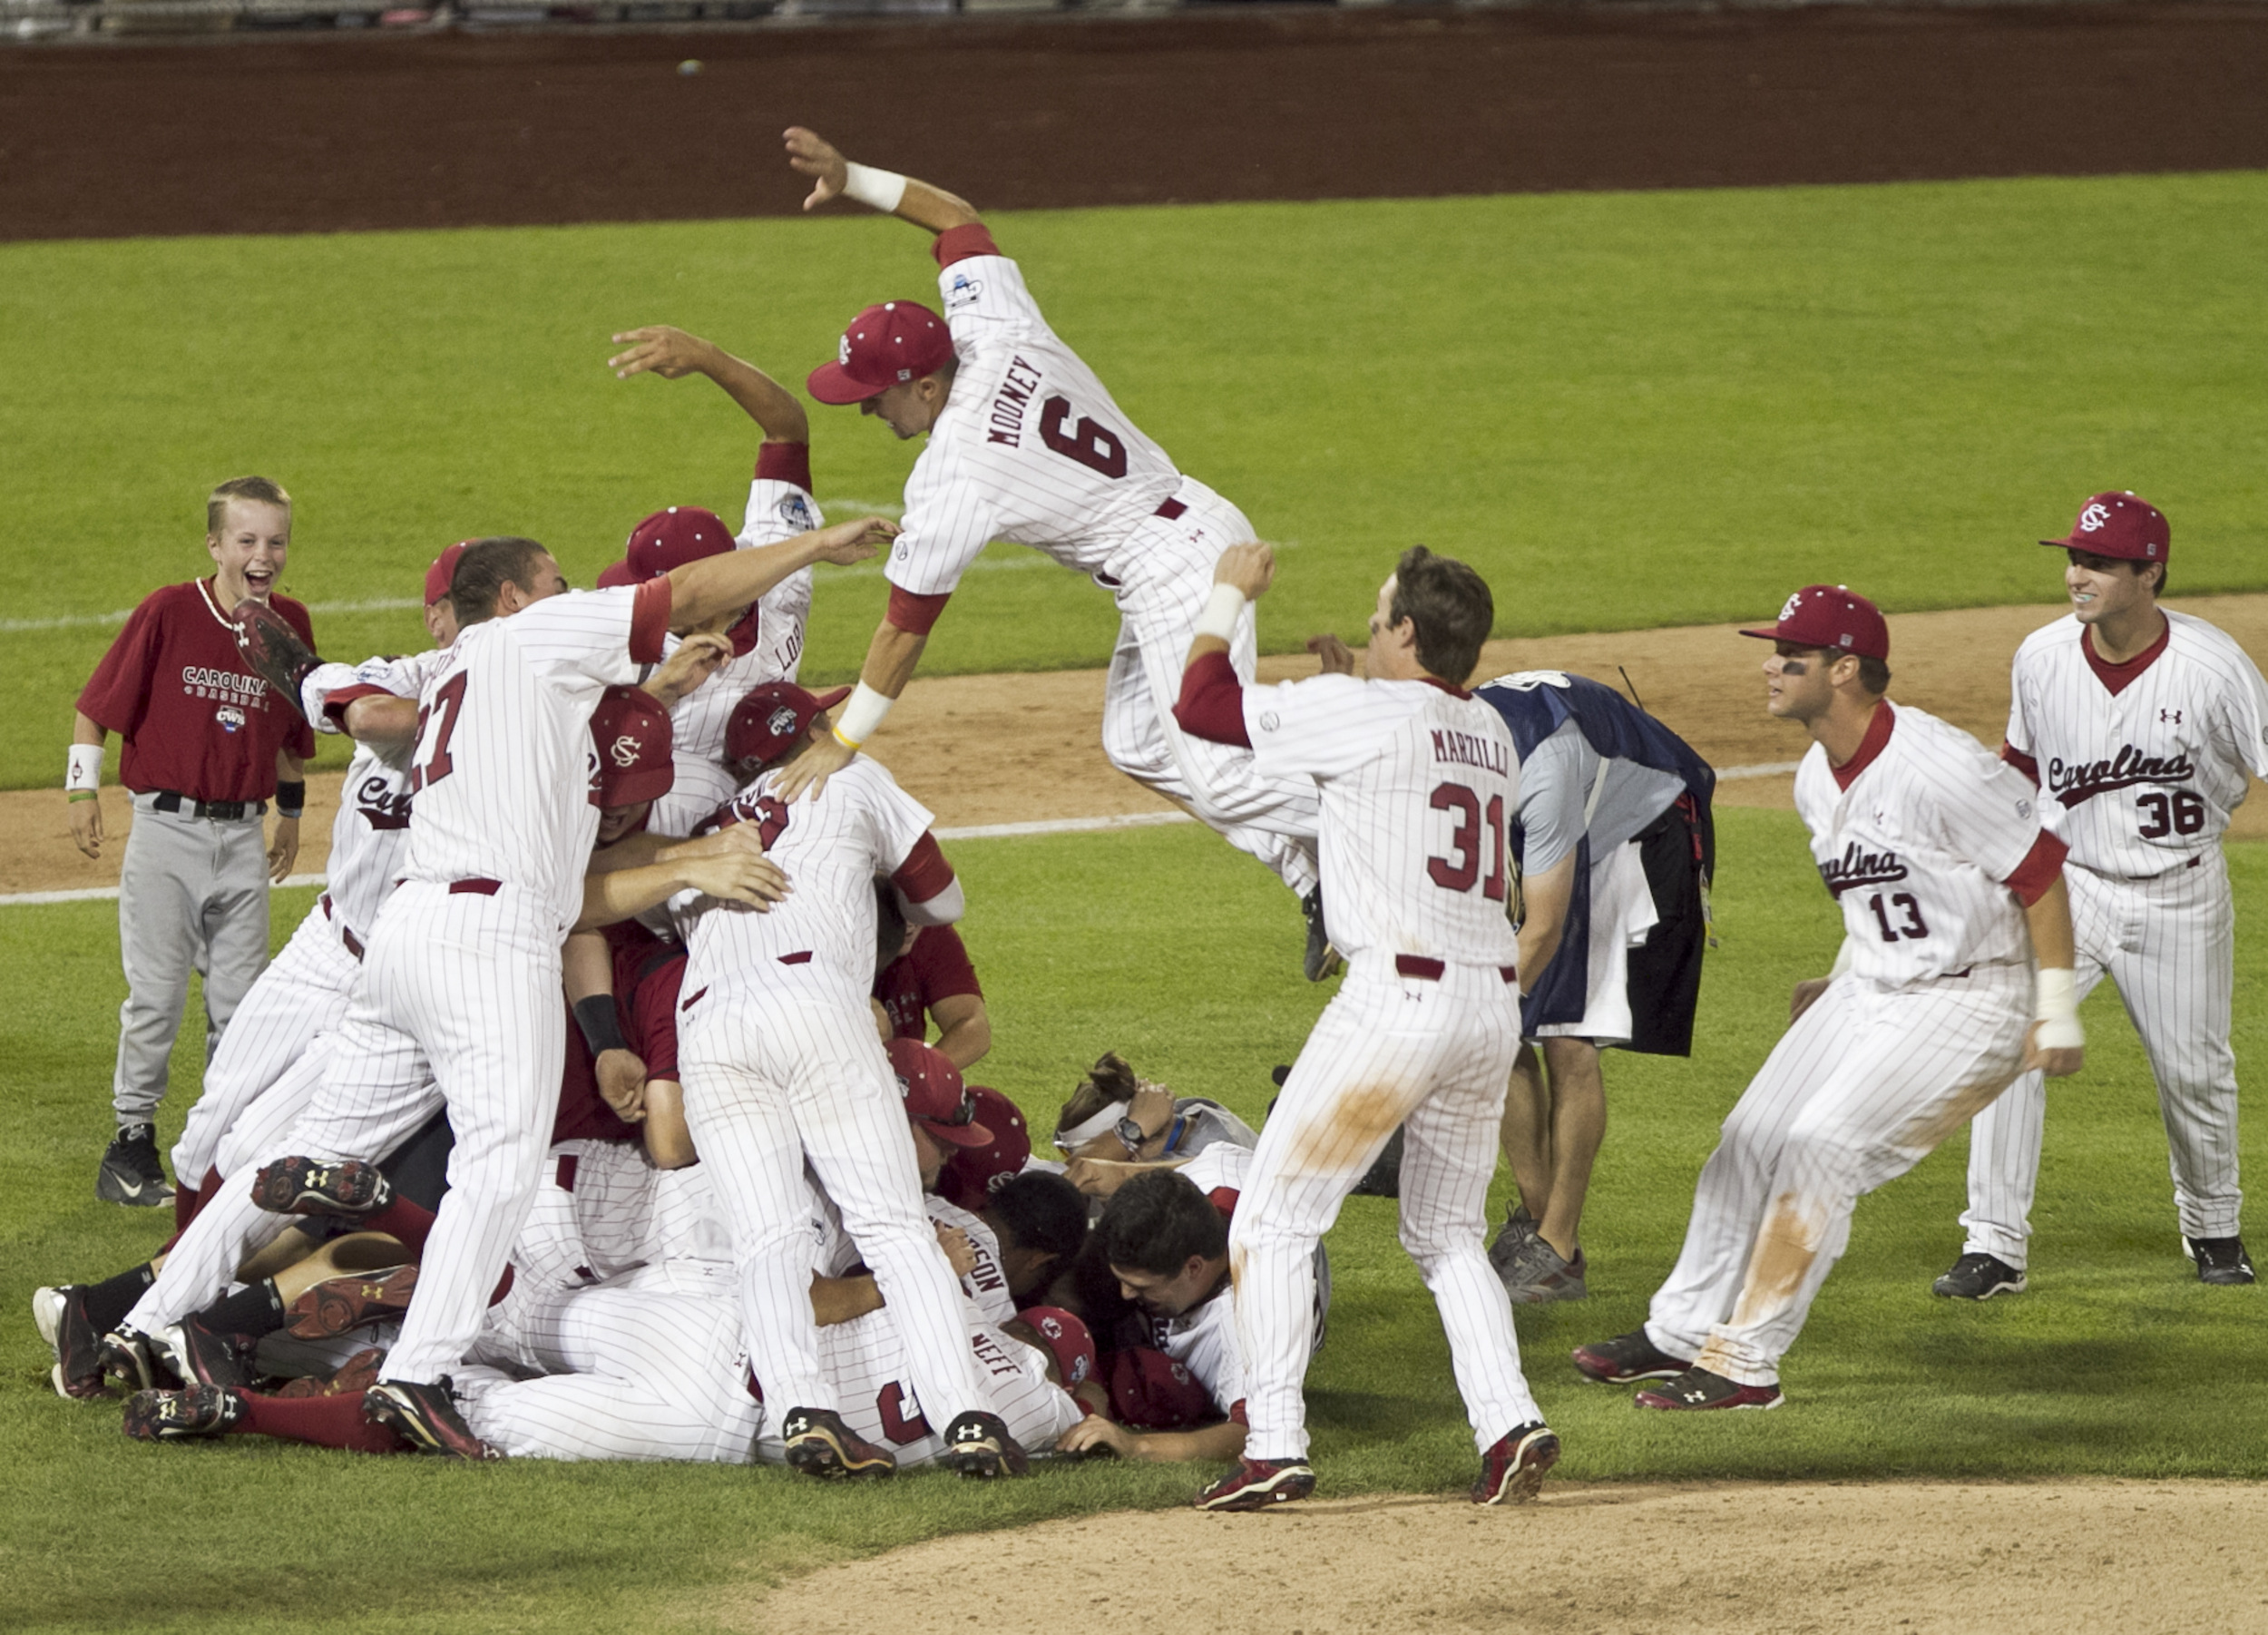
[433, 761]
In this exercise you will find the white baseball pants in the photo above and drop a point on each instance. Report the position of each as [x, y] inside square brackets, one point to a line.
[302, 993]
[1432, 1058]
[1861, 1088]
[2170, 943]
[777, 1079]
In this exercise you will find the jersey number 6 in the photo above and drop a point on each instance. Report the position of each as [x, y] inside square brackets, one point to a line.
[1458, 874]
[1090, 443]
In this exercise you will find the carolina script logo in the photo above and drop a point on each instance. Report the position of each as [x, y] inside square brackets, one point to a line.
[1858, 866]
[382, 807]
[2082, 781]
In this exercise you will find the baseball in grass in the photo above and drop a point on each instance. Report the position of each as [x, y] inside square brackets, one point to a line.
[690, 65]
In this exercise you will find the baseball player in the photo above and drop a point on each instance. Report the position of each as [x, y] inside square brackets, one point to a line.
[205, 748]
[1121, 1119]
[782, 1068]
[1615, 845]
[1955, 973]
[930, 977]
[2139, 726]
[1418, 782]
[1026, 444]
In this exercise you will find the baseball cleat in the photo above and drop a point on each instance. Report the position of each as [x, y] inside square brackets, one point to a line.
[354, 1377]
[2219, 1259]
[171, 1415]
[1538, 1275]
[206, 1357]
[129, 1172]
[48, 1304]
[1321, 961]
[1980, 1276]
[343, 1302]
[1518, 1228]
[1626, 1359]
[1512, 1470]
[1699, 1388]
[63, 1324]
[427, 1417]
[128, 1362]
[820, 1445]
[980, 1448]
[1260, 1485]
[311, 1186]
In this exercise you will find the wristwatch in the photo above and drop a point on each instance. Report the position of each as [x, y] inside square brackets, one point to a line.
[1131, 1135]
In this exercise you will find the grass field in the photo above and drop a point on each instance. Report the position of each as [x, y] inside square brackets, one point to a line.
[1169, 946]
[1627, 409]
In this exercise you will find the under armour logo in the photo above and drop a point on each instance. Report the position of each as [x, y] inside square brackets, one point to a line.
[2173, 715]
[2093, 518]
[624, 751]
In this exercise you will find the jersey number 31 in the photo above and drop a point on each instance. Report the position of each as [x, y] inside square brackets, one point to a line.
[1461, 867]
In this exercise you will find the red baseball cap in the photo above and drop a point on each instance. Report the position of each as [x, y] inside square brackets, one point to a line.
[1151, 1392]
[442, 574]
[670, 538]
[615, 575]
[2119, 523]
[769, 718]
[884, 345]
[1066, 1338]
[969, 1174]
[1831, 617]
[936, 1098]
[631, 731]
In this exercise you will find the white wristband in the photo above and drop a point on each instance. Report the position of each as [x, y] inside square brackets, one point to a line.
[882, 189]
[84, 768]
[2056, 1007]
[1223, 608]
[862, 713]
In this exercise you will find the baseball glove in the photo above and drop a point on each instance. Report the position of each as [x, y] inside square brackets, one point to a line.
[273, 648]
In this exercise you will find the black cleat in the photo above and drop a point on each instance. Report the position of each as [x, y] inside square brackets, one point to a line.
[129, 1172]
[426, 1416]
[820, 1445]
[128, 1362]
[2219, 1259]
[62, 1316]
[1626, 1359]
[206, 1357]
[1699, 1388]
[173, 1416]
[979, 1446]
[1980, 1276]
[1321, 961]
[311, 1186]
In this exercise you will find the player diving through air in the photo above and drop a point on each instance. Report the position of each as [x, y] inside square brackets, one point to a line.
[1025, 445]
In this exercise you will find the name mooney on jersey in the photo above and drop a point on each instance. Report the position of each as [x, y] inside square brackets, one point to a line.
[224, 687]
[2082, 780]
[1016, 388]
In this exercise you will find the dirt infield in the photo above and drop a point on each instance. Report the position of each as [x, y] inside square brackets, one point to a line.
[1910, 1558]
[1044, 731]
[321, 133]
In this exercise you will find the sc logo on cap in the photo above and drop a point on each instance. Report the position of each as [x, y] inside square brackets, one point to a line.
[624, 751]
[2093, 518]
[1788, 608]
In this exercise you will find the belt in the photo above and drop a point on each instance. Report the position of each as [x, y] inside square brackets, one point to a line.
[228, 811]
[353, 942]
[478, 885]
[1431, 969]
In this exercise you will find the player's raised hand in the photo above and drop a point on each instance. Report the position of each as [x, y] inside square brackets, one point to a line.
[736, 877]
[810, 770]
[960, 1253]
[283, 851]
[697, 656]
[86, 827]
[660, 349]
[854, 541]
[1338, 658]
[1250, 567]
[2057, 1061]
[815, 157]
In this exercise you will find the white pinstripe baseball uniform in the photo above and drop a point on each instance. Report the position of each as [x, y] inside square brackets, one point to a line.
[985, 1286]
[1417, 780]
[781, 1067]
[1927, 843]
[1029, 447]
[2140, 766]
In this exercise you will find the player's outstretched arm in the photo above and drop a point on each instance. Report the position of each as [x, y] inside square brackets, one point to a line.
[1094, 1434]
[673, 354]
[283, 850]
[2056, 1044]
[669, 1137]
[697, 657]
[701, 591]
[836, 176]
[891, 658]
[737, 872]
[84, 786]
[587, 971]
[1545, 897]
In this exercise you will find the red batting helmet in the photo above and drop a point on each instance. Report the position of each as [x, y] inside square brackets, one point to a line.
[884, 345]
[442, 574]
[1833, 619]
[2120, 524]
[630, 730]
[767, 721]
[670, 538]
[936, 1098]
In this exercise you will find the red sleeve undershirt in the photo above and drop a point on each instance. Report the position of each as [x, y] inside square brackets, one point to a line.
[2022, 762]
[785, 462]
[650, 620]
[915, 615]
[1224, 1202]
[334, 703]
[1212, 701]
[2042, 866]
[925, 872]
[959, 243]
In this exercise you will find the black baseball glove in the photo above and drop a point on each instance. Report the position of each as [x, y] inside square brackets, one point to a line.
[271, 647]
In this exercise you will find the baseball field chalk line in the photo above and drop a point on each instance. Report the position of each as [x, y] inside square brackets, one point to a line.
[982, 831]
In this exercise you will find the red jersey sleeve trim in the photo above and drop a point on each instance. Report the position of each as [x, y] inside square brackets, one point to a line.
[335, 704]
[2022, 762]
[959, 243]
[915, 615]
[785, 462]
[649, 619]
[1212, 701]
[926, 871]
[2042, 866]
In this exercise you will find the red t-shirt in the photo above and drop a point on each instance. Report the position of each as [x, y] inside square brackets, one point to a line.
[936, 967]
[646, 982]
[194, 718]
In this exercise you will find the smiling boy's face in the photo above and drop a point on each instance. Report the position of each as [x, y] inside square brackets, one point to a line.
[248, 551]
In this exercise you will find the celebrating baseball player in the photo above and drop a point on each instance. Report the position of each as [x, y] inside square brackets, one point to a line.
[206, 746]
[2139, 726]
[1955, 974]
[1025, 443]
[1615, 844]
[1418, 780]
